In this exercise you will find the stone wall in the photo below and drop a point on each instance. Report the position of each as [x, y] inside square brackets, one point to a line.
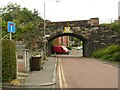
[94, 39]
[102, 38]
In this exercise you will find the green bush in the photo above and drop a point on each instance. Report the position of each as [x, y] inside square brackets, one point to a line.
[98, 53]
[8, 60]
[111, 53]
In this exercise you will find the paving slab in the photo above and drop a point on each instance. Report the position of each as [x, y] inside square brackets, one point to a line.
[43, 78]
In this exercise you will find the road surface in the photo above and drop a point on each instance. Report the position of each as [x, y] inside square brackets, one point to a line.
[85, 73]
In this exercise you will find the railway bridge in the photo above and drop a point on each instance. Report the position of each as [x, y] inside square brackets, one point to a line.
[93, 36]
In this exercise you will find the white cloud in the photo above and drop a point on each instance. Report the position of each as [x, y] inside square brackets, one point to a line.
[72, 9]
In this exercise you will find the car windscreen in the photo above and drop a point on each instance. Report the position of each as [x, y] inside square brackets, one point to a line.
[64, 48]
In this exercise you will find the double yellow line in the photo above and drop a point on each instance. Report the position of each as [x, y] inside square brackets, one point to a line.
[62, 80]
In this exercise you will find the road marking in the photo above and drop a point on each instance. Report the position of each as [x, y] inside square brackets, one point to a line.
[60, 79]
[63, 77]
[62, 74]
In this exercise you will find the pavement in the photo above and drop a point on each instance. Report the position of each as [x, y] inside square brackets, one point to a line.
[44, 78]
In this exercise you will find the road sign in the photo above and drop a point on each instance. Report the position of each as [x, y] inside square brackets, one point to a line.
[11, 27]
[66, 29]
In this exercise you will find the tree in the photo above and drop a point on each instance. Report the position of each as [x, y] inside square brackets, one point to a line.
[26, 23]
[115, 26]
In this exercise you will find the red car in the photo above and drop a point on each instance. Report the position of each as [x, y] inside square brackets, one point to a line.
[60, 49]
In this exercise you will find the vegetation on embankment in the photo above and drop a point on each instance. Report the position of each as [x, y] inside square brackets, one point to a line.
[110, 53]
[115, 26]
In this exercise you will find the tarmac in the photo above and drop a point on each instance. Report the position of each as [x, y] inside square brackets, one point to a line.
[44, 78]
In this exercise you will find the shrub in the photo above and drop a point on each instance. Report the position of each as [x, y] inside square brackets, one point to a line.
[116, 57]
[8, 60]
[98, 53]
[111, 53]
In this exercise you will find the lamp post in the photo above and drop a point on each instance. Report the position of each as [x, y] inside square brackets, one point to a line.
[44, 35]
[1, 24]
[44, 27]
[44, 20]
[1, 11]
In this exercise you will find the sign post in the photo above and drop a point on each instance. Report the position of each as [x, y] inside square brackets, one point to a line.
[11, 28]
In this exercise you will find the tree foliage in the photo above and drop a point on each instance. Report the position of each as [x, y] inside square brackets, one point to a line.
[113, 26]
[26, 23]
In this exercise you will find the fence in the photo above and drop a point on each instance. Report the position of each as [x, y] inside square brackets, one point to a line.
[24, 56]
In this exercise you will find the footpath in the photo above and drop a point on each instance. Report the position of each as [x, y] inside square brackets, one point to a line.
[44, 78]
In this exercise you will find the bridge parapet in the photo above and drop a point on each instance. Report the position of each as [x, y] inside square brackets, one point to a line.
[85, 32]
[79, 26]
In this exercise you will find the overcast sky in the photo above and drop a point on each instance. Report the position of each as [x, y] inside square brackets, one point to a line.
[119, 8]
[67, 10]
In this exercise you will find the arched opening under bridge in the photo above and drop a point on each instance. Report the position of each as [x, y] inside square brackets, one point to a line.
[80, 37]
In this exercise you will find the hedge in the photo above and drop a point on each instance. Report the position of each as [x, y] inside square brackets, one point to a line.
[111, 53]
[8, 60]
